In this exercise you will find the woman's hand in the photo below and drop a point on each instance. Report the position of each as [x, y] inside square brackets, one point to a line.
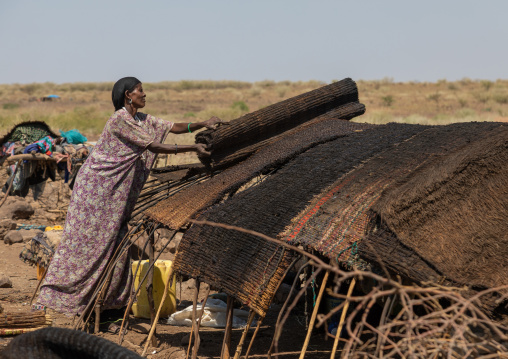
[212, 123]
[201, 150]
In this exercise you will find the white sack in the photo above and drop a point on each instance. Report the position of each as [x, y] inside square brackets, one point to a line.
[214, 315]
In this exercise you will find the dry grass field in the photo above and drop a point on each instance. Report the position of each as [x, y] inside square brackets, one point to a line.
[87, 106]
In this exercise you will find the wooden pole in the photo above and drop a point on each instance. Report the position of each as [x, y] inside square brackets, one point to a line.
[198, 339]
[10, 183]
[342, 318]
[194, 324]
[30, 157]
[226, 344]
[244, 335]
[260, 321]
[152, 329]
[314, 314]
[38, 285]
[149, 286]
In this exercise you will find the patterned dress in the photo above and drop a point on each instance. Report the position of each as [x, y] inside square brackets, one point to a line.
[106, 190]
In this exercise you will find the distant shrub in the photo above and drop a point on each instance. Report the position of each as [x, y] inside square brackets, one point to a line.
[225, 114]
[266, 83]
[386, 80]
[30, 89]
[10, 106]
[377, 118]
[189, 114]
[240, 105]
[434, 97]
[387, 100]
[200, 85]
[481, 97]
[462, 102]
[465, 112]
[486, 84]
[282, 90]
[83, 86]
[500, 98]
[255, 91]
[465, 81]
[452, 86]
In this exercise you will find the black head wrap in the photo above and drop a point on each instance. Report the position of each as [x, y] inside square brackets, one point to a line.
[122, 85]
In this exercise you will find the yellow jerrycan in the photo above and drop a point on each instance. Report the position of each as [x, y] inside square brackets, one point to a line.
[140, 308]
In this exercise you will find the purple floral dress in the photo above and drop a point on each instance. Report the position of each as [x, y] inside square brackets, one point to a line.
[106, 190]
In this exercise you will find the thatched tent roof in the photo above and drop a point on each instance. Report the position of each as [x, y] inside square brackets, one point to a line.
[427, 202]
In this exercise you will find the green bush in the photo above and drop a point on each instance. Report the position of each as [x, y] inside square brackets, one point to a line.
[387, 100]
[501, 98]
[462, 102]
[30, 89]
[487, 85]
[10, 106]
[240, 105]
[189, 114]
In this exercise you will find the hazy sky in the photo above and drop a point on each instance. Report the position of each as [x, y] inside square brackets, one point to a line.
[101, 40]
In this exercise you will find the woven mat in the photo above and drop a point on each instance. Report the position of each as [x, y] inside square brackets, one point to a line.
[340, 217]
[273, 120]
[239, 263]
[175, 211]
[226, 157]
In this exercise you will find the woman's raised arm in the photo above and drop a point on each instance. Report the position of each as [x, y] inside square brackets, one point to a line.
[186, 127]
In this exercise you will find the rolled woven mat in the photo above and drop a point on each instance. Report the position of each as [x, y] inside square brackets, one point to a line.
[275, 119]
[225, 158]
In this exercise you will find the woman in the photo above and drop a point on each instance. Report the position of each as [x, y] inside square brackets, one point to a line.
[106, 190]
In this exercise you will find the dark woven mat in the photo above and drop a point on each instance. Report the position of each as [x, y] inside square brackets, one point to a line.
[453, 209]
[175, 211]
[275, 119]
[240, 264]
[340, 217]
[226, 158]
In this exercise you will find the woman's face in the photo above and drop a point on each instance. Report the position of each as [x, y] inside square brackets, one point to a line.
[138, 96]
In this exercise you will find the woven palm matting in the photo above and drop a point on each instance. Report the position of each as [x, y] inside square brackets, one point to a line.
[275, 119]
[453, 211]
[227, 158]
[175, 211]
[338, 219]
[248, 267]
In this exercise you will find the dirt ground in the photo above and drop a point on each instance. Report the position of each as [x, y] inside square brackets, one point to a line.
[172, 340]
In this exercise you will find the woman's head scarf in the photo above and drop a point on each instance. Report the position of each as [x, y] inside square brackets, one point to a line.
[122, 85]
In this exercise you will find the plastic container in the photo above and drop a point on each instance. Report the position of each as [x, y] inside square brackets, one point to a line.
[140, 308]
